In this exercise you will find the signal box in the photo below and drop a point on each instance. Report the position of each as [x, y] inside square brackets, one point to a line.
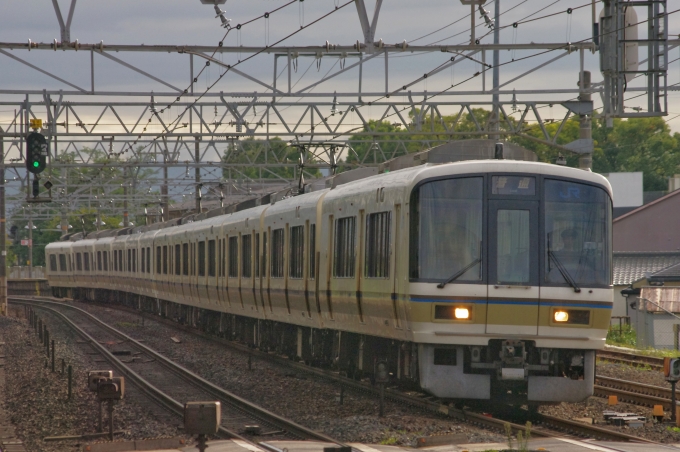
[96, 376]
[202, 418]
[111, 389]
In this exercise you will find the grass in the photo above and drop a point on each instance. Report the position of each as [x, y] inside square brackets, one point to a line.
[390, 440]
[126, 325]
[624, 337]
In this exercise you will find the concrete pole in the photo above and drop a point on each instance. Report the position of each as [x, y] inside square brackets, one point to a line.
[126, 214]
[164, 187]
[495, 118]
[30, 242]
[3, 234]
[197, 173]
[585, 161]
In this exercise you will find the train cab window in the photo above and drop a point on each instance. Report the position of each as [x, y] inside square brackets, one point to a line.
[165, 259]
[148, 259]
[185, 259]
[577, 238]
[297, 251]
[377, 259]
[178, 260]
[86, 261]
[211, 258]
[158, 260]
[201, 258]
[344, 247]
[53, 263]
[277, 253]
[79, 261]
[446, 230]
[99, 261]
[246, 256]
[233, 257]
[312, 251]
[62, 263]
[106, 261]
[257, 255]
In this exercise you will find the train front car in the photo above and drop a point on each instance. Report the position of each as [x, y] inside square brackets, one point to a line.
[510, 280]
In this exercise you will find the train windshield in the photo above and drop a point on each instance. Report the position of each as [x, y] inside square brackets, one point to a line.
[577, 236]
[447, 233]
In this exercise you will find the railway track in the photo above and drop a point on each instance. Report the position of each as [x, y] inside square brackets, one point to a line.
[631, 359]
[170, 385]
[633, 392]
[543, 425]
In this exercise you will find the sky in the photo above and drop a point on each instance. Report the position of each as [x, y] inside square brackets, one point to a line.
[185, 22]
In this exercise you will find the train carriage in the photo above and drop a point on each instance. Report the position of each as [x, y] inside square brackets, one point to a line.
[485, 279]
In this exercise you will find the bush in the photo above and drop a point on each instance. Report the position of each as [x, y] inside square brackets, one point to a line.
[626, 336]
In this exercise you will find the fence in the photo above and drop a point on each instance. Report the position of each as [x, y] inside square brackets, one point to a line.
[22, 273]
[655, 327]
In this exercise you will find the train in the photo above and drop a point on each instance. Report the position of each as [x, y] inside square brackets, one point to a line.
[484, 279]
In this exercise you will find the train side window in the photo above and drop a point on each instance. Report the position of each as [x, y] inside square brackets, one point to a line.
[129, 260]
[178, 260]
[233, 257]
[148, 259]
[344, 250]
[158, 260]
[62, 263]
[312, 251]
[185, 259]
[277, 253]
[265, 252]
[134, 260]
[246, 256]
[211, 258]
[120, 260]
[106, 261]
[53, 263]
[257, 255]
[219, 257]
[201, 258]
[86, 261]
[224, 257]
[142, 268]
[297, 251]
[79, 261]
[99, 260]
[377, 259]
[165, 259]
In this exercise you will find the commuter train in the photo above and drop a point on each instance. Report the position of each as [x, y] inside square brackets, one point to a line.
[477, 279]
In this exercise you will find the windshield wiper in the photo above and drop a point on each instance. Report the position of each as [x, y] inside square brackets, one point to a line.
[561, 268]
[461, 272]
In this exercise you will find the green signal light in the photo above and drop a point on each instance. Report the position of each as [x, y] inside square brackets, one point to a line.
[36, 164]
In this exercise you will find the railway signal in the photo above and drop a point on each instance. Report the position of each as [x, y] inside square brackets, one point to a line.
[36, 152]
[671, 370]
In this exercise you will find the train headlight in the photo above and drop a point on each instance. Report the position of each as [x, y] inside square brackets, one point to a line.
[561, 316]
[462, 313]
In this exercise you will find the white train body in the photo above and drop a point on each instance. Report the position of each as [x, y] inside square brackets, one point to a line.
[351, 275]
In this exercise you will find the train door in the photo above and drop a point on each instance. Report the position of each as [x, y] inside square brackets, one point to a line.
[512, 305]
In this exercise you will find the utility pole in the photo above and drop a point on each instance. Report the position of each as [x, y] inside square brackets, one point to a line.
[30, 242]
[585, 132]
[126, 218]
[3, 233]
[164, 187]
[197, 156]
[495, 111]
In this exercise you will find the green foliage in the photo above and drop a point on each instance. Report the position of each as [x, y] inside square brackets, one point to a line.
[522, 437]
[624, 336]
[252, 151]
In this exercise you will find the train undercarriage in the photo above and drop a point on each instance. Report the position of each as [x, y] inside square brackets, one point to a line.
[511, 371]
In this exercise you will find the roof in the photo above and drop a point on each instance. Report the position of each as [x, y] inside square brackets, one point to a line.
[671, 273]
[632, 266]
[647, 206]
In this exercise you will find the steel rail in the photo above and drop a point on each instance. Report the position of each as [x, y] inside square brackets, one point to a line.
[431, 405]
[630, 358]
[633, 392]
[165, 400]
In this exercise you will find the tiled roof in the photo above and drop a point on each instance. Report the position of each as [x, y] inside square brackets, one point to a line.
[631, 266]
